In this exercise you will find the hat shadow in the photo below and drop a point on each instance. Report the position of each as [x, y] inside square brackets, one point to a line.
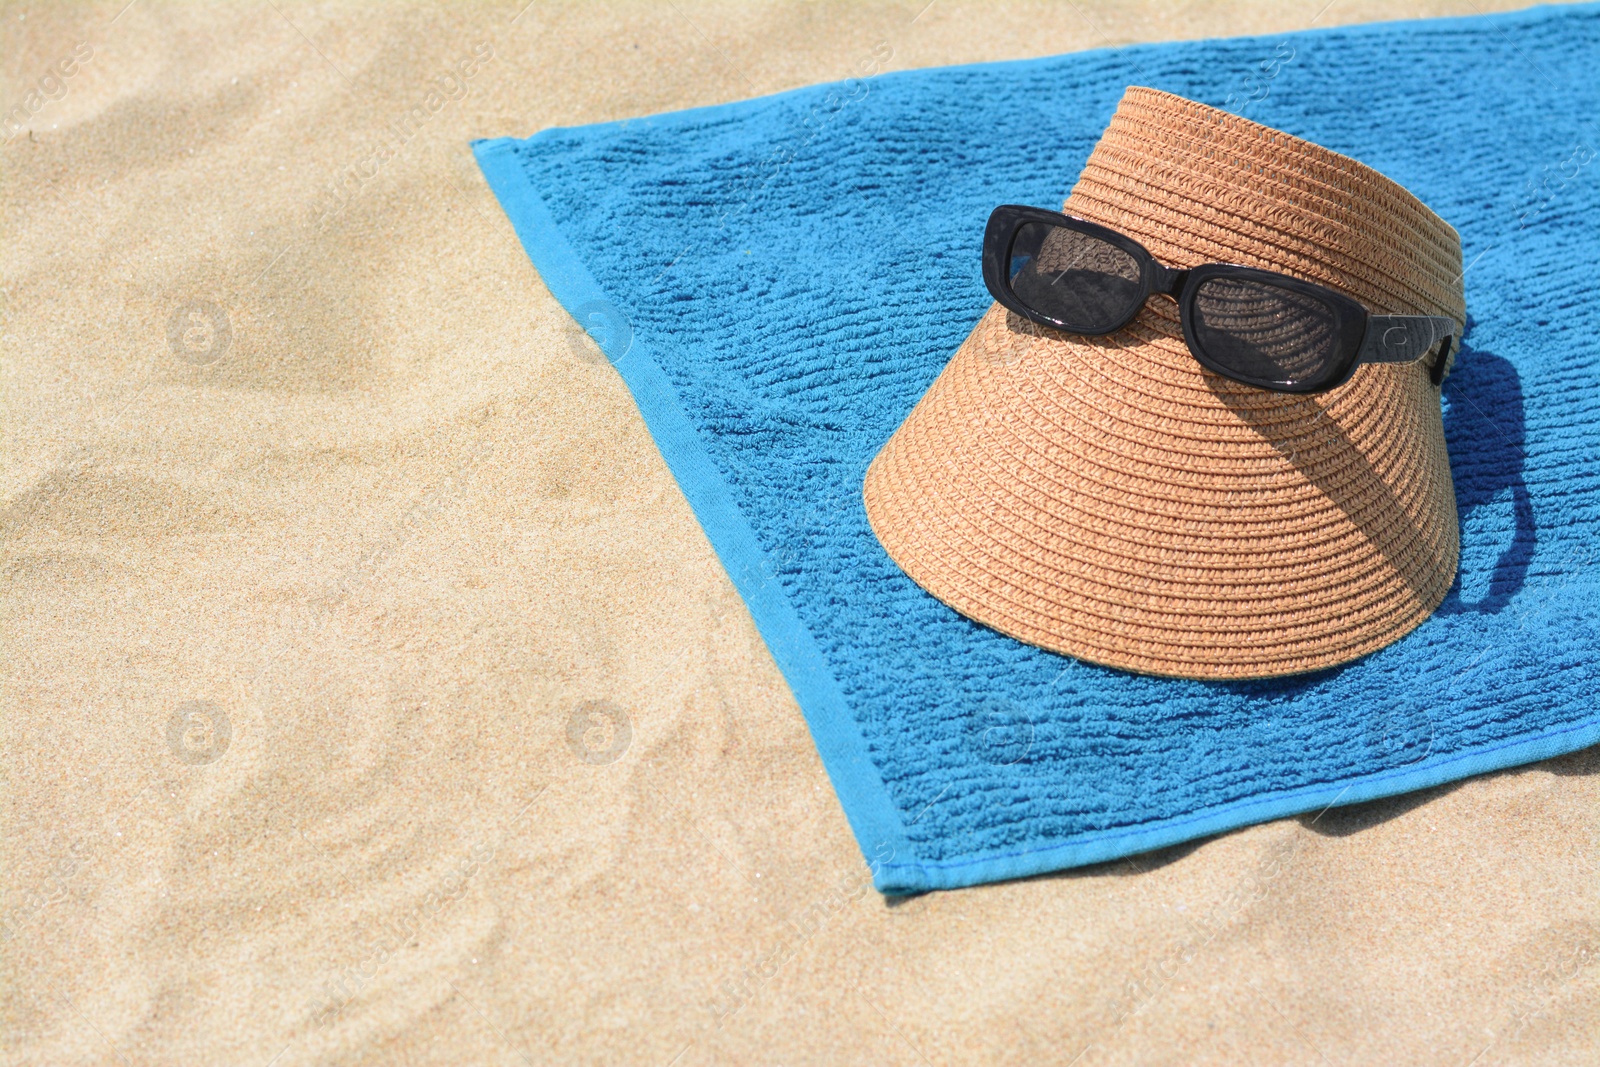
[1485, 430]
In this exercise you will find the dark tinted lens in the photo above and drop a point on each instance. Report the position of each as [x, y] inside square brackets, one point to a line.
[1082, 281]
[1265, 333]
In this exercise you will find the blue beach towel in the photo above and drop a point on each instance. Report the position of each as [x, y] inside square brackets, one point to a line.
[779, 280]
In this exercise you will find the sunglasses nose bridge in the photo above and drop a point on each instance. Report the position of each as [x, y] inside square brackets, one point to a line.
[1167, 281]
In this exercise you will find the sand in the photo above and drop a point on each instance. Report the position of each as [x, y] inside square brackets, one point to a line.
[371, 694]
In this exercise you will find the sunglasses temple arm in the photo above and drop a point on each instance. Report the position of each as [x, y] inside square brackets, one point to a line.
[1406, 339]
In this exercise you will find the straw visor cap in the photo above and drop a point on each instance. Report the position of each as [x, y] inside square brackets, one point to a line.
[1108, 498]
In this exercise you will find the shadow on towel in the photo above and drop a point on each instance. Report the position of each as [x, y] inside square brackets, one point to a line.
[1484, 429]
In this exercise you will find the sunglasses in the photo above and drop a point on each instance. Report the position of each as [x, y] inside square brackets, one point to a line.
[1254, 326]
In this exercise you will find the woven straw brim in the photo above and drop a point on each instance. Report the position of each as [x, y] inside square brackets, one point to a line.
[1110, 499]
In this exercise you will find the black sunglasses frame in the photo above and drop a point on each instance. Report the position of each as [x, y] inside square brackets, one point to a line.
[1362, 336]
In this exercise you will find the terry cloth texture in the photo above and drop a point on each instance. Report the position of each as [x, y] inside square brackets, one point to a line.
[779, 280]
[1109, 498]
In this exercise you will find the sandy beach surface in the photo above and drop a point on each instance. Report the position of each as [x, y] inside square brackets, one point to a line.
[371, 694]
